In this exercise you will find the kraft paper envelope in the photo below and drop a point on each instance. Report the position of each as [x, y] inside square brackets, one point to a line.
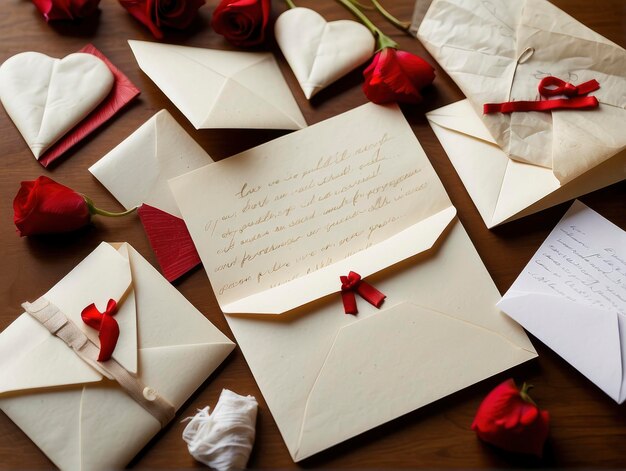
[69, 407]
[498, 51]
[136, 173]
[355, 192]
[504, 189]
[572, 297]
[221, 89]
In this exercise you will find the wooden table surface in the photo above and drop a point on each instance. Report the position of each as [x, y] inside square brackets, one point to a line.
[587, 429]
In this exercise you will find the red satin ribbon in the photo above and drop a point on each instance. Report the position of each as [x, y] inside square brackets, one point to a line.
[103, 322]
[552, 86]
[352, 283]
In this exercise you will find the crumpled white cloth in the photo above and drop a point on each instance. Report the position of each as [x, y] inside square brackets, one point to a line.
[223, 440]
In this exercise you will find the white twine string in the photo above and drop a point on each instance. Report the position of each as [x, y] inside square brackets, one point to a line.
[223, 440]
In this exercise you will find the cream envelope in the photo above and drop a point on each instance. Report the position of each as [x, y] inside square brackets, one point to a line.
[325, 375]
[572, 297]
[503, 189]
[137, 170]
[221, 89]
[70, 408]
[498, 51]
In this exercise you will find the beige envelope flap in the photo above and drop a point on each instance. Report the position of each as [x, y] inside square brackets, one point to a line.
[370, 387]
[257, 95]
[33, 358]
[411, 241]
[137, 170]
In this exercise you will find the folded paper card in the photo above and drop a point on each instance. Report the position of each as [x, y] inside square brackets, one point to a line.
[321, 52]
[55, 103]
[136, 173]
[221, 89]
[89, 415]
[498, 51]
[504, 189]
[572, 297]
[353, 193]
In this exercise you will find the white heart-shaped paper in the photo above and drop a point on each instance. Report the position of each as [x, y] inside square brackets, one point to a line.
[46, 97]
[320, 52]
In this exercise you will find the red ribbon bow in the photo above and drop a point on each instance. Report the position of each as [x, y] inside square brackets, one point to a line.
[103, 322]
[352, 283]
[552, 86]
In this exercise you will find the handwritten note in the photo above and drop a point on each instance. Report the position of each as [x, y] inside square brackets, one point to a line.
[305, 201]
[583, 260]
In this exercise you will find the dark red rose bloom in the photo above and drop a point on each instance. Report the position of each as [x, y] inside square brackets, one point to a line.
[44, 206]
[242, 22]
[509, 419]
[396, 76]
[156, 14]
[66, 9]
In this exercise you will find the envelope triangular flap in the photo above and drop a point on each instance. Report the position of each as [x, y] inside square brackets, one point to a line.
[258, 77]
[156, 300]
[237, 103]
[105, 274]
[190, 84]
[41, 411]
[135, 156]
[586, 337]
[322, 282]
[31, 358]
[434, 345]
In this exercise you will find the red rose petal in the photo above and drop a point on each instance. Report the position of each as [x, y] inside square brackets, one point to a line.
[170, 240]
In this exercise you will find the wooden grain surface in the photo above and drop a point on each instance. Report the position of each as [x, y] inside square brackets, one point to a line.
[588, 429]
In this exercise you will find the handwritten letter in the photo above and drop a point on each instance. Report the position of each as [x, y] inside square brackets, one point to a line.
[583, 260]
[307, 200]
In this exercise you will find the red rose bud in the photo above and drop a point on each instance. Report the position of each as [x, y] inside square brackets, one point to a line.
[510, 419]
[44, 206]
[156, 14]
[396, 76]
[242, 22]
[66, 9]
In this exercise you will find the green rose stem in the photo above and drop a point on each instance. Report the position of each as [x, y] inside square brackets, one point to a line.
[94, 210]
[401, 25]
[382, 40]
[290, 4]
[524, 393]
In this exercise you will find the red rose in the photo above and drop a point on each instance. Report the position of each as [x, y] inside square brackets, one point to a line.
[44, 206]
[66, 9]
[396, 76]
[510, 419]
[156, 14]
[242, 22]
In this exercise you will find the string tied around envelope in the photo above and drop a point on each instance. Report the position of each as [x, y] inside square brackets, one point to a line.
[549, 87]
[352, 284]
[58, 324]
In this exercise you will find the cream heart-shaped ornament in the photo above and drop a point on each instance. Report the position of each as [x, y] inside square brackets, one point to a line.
[46, 97]
[320, 52]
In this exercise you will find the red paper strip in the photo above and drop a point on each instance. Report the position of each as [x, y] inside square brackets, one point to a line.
[123, 92]
[552, 86]
[352, 283]
[107, 327]
[170, 241]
